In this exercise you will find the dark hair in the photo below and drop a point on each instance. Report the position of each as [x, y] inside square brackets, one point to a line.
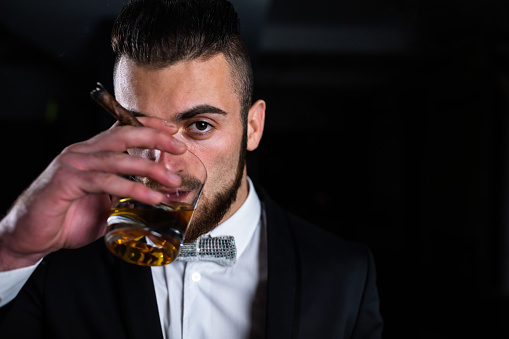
[158, 33]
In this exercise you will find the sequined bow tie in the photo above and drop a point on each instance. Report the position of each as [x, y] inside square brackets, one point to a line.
[221, 250]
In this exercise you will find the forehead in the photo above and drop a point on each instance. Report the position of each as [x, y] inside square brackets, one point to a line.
[176, 87]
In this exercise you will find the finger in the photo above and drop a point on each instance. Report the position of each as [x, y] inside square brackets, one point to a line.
[122, 164]
[122, 138]
[106, 183]
[157, 123]
[152, 122]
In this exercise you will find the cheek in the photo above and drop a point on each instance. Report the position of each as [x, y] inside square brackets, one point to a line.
[220, 160]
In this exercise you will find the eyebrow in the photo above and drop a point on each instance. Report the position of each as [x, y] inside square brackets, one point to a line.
[190, 113]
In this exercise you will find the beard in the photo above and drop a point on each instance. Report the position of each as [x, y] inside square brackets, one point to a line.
[212, 210]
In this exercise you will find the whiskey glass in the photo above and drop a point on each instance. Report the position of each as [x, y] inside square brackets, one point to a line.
[151, 235]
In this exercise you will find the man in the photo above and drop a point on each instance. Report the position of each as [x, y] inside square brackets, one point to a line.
[183, 70]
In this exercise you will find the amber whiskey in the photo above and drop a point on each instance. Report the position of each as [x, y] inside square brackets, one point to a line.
[147, 235]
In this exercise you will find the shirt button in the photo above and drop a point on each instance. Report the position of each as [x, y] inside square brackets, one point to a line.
[196, 277]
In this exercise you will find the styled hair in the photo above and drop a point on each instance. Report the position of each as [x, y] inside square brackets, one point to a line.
[159, 33]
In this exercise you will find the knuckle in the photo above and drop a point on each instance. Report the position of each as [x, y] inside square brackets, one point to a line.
[64, 158]
[72, 159]
[71, 148]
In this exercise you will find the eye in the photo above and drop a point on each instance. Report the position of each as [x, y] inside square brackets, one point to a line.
[200, 127]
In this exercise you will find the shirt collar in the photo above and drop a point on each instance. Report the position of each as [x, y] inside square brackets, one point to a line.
[243, 222]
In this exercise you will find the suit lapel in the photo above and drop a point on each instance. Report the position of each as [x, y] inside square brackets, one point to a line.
[138, 300]
[283, 285]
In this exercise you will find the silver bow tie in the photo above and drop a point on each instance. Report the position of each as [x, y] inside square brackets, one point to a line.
[221, 250]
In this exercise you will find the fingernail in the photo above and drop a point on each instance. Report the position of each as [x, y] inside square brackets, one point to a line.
[172, 175]
[169, 124]
[178, 143]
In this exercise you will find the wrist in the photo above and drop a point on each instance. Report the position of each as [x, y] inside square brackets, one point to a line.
[10, 260]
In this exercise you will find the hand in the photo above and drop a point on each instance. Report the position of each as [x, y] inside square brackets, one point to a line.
[68, 204]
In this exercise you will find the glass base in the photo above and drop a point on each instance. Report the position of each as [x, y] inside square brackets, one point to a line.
[141, 246]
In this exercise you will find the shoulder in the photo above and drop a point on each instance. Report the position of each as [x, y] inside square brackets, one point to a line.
[318, 245]
[314, 244]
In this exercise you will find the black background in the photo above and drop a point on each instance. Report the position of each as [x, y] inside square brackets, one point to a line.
[386, 124]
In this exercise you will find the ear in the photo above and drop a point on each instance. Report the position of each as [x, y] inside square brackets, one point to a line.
[255, 124]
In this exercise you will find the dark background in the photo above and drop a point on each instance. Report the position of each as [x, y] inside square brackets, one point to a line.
[387, 123]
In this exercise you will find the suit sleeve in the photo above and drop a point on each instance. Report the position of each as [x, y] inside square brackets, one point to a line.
[11, 283]
[21, 317]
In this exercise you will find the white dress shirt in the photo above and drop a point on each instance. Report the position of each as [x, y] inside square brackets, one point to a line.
[208, 300]
[204, 299]
[12, 281]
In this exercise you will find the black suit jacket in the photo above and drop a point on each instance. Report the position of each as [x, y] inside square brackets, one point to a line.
[319, 286]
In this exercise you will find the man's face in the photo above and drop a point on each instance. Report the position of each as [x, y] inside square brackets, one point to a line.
[199, 97]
